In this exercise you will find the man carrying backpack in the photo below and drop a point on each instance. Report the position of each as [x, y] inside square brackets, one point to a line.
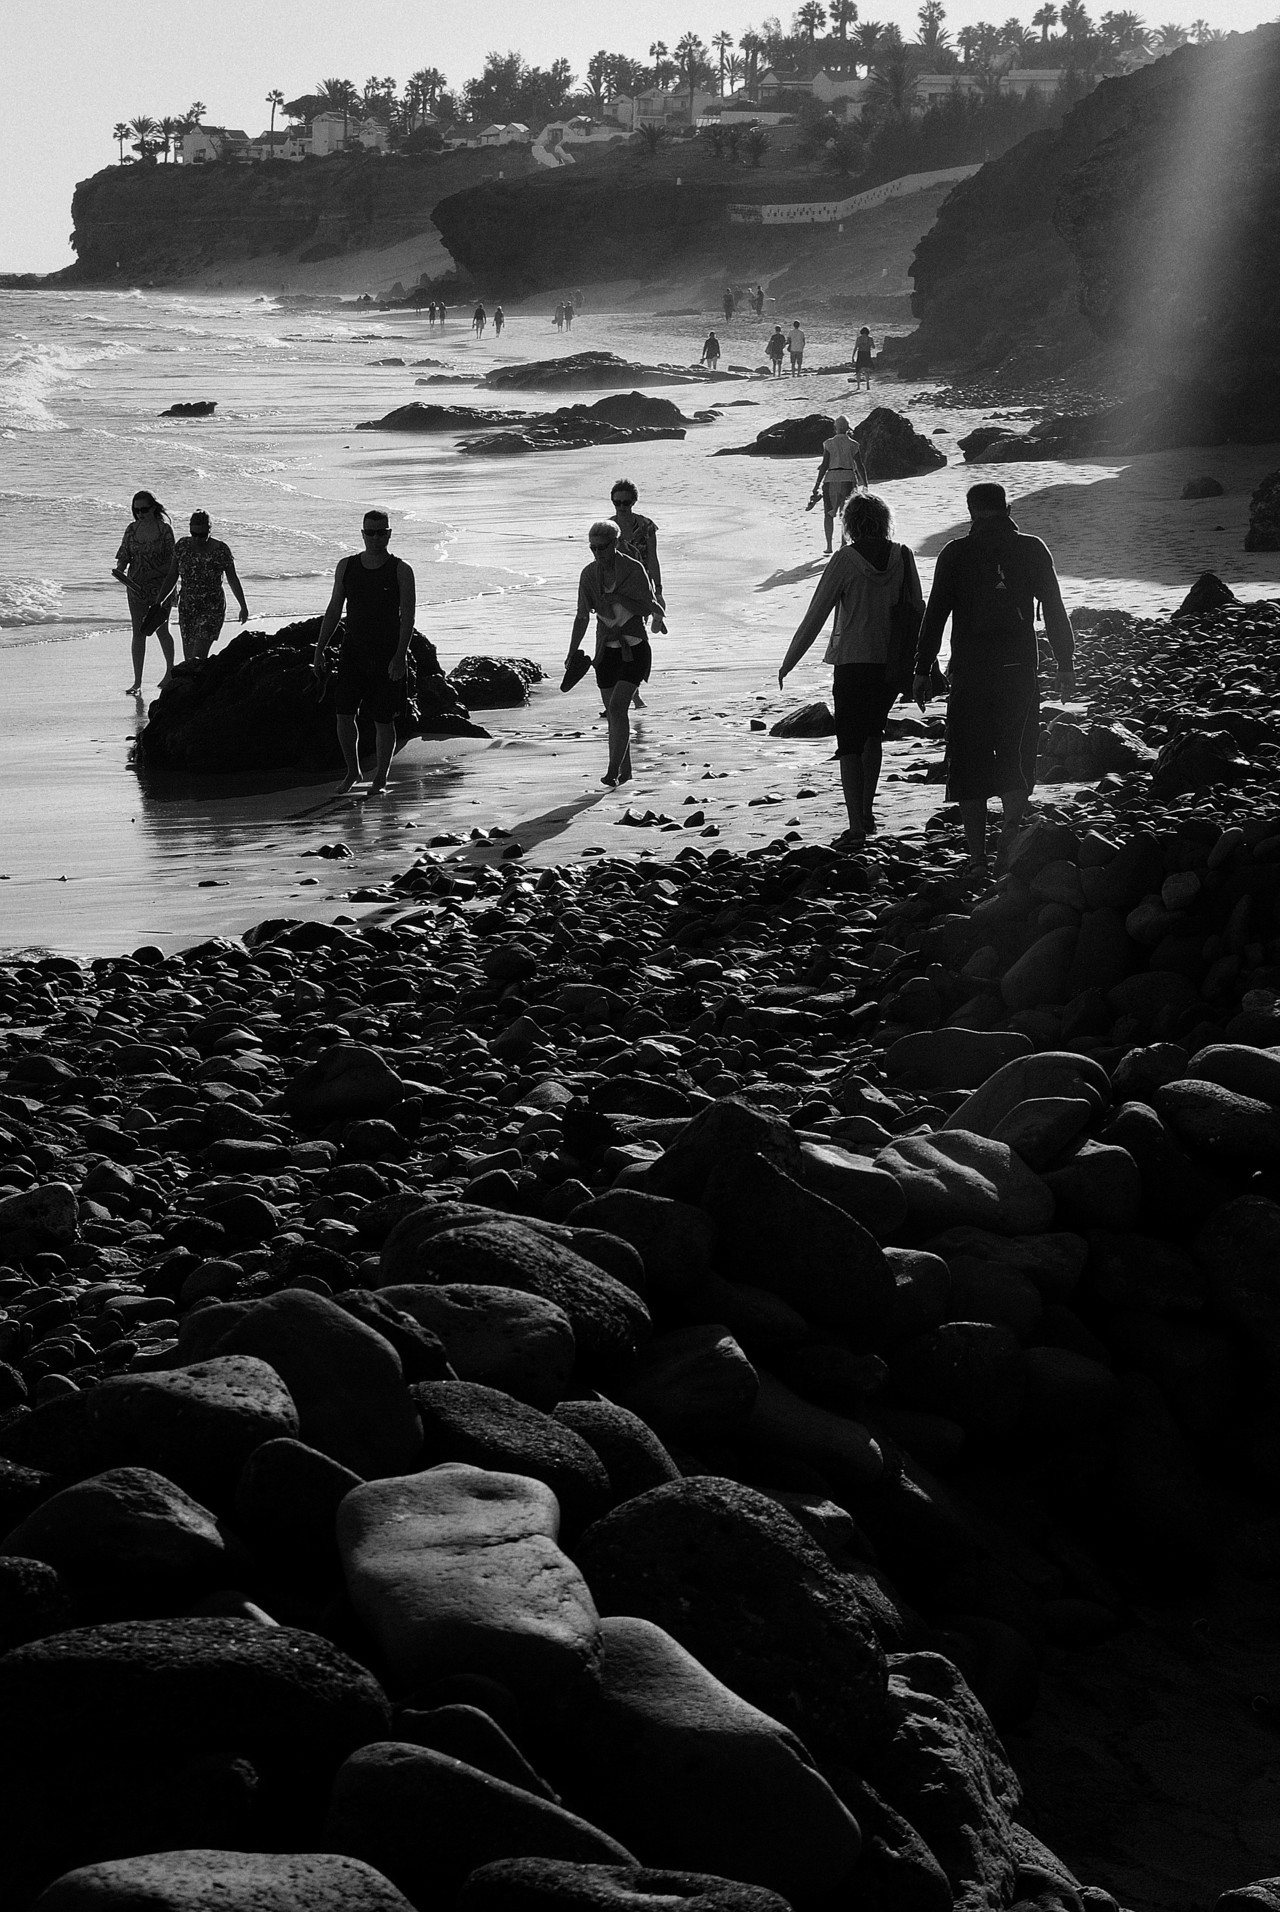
[988, 584]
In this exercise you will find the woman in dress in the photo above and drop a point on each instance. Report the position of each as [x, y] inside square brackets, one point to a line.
[638, 539]
[142, 564]
[199, 565]
[866, 584]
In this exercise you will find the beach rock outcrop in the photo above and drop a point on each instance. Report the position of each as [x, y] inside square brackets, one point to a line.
[495, 683]
[585, 371]
[789, 438]
[192, 408]
[1264, 516]
[256, 705]
[205, 1880]
[892, 447]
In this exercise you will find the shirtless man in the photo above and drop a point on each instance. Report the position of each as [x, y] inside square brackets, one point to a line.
[378, 593]
[841, 470]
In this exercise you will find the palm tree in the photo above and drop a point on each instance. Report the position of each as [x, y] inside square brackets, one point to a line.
[120, 133]
[752, 46]
[1016, 39]
[865, 41]
[722, 45]
[1075, 21]
[1170, 37]
[194, 114]
[933, 37]
[1126, 32]
[422, 91]
[691, 58]
[734, 68]
[339, 96]
[1046, 19]
[893, 93]
[843, 14]
[663, 70]
[810, 18]
[274, 98]
[166, 129]
[142, 128]
[1203, 34]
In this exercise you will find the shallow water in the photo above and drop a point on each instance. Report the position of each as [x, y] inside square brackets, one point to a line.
[95, 861]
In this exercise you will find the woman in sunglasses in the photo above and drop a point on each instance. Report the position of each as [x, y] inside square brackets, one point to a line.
[142, 565]
[200, 563]
[616, 589]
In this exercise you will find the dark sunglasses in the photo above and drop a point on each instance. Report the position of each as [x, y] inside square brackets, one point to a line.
[376, 530]
[141, 511]
[602, 544]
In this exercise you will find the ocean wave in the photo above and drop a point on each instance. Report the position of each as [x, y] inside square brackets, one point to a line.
[28, 601]
[32, 374]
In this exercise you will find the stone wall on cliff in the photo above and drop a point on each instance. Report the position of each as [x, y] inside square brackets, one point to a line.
[1146, 225]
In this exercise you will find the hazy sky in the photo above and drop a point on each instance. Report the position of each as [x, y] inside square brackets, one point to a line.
[78, 66]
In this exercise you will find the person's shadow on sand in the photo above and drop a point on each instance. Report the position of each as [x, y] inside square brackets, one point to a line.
[814, 568]
[530, 831]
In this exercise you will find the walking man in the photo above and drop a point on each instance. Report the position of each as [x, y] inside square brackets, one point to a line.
[840, 472]
[775, 349]
[377, 591]
[795, 346]
[988, 584]
[710, 352]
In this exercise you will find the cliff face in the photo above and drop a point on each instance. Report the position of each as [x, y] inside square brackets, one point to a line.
[164, 222]
[1142, 237]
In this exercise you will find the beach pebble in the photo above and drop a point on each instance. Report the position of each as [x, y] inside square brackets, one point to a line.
[955, 1178]
[457, 1570]
[204, 1880]
[482, 1427]
[506, 1339]
[547, 1885]
[741, 1586]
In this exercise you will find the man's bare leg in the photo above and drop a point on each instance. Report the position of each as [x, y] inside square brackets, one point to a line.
[828, 518]
[973, 815]
[349, 738]
[385, 739]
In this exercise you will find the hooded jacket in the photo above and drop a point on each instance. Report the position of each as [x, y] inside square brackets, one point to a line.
[975, 650]
[863, 599]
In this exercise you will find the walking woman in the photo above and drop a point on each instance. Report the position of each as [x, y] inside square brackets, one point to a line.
[200, 563]
[638, 539]
[616, 589]
[874, 589]
[142, 564]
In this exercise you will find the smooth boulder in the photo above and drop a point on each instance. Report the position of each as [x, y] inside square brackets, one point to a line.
[206, 1880]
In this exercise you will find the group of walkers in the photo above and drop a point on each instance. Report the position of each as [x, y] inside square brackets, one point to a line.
[790, 345]
[753, 298]
[480, 318]
[153, 567]
[562, 317]
[435, 310]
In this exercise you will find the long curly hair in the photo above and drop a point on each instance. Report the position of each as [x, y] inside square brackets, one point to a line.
[867, 516]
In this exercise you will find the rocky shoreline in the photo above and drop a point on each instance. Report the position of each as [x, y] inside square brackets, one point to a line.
[618, 1382]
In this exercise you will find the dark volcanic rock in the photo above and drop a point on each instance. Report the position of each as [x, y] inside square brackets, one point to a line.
[585, 371]
[127, 1738]
[557, 1885]
[789, 438]
[892, 447]
[192, 408]
[739, 1583]
[202, 1880]
[811, 720]
[1205, 487]
[1264, 516]
[255, 705]
[1208, 593]
[417, 417]
[495, 683]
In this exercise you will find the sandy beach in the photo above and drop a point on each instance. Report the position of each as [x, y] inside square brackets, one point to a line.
[94, 862]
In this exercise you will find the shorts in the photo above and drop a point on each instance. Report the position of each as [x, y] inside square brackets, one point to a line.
[862, 362]
[993, 733]
[363, 683]
[863, 699]
[837, 492]
[612, 668]
[797, 358]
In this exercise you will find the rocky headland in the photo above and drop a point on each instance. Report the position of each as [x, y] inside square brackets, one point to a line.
[1131, 248]
[737, 1378]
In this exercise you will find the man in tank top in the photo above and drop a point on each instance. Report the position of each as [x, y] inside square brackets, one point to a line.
[377, 592]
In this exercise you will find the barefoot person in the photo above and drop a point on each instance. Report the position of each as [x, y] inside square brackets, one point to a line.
[199, 565]
[795, 348]
[988, 584]
[839, 475]
[863, 352]
[378, 593]
[776, 349]
[638, 539]
[867, 583]
[142, 564]
[710, 352]
[617, 591]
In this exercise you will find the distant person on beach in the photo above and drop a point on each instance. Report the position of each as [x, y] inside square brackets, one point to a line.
[142, 564]
[616, 590]
[568, 315]
[758, 301]
[377, 591]
[710, 352]
[431, 313]
[729, 303]
[870, 583]
[499, 320]
[795, 346]
[776, 349]
[559, 317]
[988, 584]
[199, 565]
[638, 539]
[840, 473]
[579, 299]
[479, 319]
[440, 312]
[863, 350]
